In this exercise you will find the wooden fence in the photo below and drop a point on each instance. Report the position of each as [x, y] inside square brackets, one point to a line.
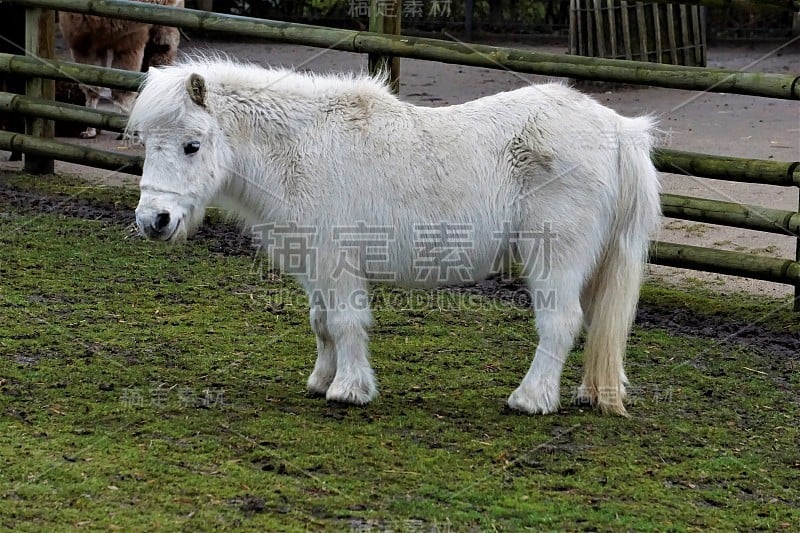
[784, 86]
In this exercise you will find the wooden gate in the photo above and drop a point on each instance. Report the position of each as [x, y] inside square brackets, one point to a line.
[642, 31]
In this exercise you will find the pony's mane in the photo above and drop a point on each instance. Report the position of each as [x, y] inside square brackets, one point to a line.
[165, 87]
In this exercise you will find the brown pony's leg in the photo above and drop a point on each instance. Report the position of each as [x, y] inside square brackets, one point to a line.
[129, 57]
[69, 93]
[84, 48]
[97, 57]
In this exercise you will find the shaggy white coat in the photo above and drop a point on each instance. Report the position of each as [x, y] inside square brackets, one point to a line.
[296, 150]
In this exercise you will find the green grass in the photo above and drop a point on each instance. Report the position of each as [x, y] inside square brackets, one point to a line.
[146, 387]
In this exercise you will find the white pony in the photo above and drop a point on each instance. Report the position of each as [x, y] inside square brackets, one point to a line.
[347, 185]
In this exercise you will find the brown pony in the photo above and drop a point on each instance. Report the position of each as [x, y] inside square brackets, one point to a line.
[120, 44]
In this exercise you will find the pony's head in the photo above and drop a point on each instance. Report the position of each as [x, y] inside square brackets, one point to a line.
[186, 154]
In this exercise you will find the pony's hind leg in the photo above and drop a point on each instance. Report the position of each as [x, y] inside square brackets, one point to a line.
[123, 100]
[555, 269]
[325, 367]
[558, 319]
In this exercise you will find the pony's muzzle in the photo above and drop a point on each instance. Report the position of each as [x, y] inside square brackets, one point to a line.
[157, 226]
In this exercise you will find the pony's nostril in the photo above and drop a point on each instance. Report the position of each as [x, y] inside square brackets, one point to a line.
[162, 220]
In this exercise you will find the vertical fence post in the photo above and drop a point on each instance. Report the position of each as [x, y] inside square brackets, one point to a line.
[40, 27]
[797, 258]
[469, 18]
[384, 17]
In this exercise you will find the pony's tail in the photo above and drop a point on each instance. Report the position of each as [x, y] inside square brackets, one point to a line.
[613, 292]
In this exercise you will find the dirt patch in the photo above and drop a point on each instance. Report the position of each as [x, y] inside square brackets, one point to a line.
[250, 504]
[676, 321]
[33, 202]
[219, 237]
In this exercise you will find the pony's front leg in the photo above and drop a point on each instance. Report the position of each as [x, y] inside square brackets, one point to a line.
[325, 367]
[348, 319]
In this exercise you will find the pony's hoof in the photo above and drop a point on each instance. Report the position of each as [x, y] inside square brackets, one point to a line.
[337, 406]
[318, 385]
[542, 401]
[90, 133]
[608, 402]
[612, 408]
[313, 391]
[352, 392]
[585, 396]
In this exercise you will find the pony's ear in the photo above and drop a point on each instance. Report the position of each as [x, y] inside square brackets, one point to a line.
[196, 86]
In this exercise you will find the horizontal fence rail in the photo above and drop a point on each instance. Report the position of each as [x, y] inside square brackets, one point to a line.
[724, 262]
[36, 107]
[739, 169]
[71, 153]
[67, 71]
[786, 86]
[752, 217]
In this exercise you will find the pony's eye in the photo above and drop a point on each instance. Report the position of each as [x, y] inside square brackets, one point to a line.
[191, 147]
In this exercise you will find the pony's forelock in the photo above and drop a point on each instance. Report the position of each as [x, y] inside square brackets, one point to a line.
[165, 84]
